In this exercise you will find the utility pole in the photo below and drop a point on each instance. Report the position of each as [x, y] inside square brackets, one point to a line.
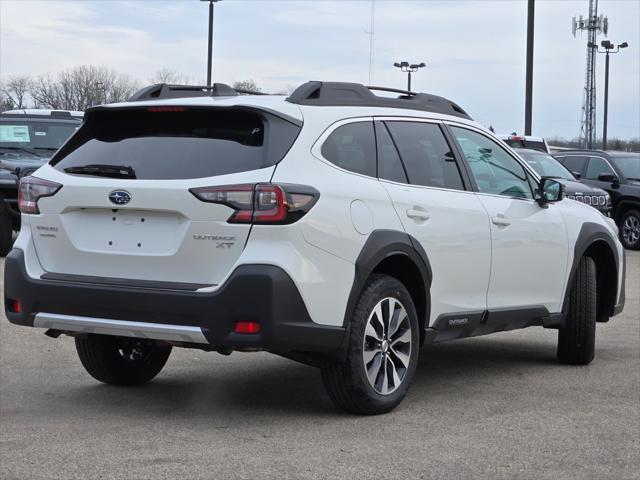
[528, 104]
[210, 49]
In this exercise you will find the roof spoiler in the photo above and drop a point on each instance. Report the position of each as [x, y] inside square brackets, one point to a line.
[163, 91]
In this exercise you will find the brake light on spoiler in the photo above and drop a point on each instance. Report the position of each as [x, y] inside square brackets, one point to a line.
[262, 203]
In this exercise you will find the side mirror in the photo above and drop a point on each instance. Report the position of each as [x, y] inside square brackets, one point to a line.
[549, 191]
[606, 177]
[577, 175]
[611, 178]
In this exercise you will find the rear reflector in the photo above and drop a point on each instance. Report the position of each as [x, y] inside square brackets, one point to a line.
[14, 306]
[262, 203]
[247, 327]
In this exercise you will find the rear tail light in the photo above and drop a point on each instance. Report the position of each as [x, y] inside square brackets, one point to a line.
[31, 190]
[261, 203]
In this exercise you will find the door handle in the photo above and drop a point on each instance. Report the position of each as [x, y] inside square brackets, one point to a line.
[501, 220]
[417, 214]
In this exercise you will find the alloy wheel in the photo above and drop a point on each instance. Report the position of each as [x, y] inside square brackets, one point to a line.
[631, 229]
[387, 345]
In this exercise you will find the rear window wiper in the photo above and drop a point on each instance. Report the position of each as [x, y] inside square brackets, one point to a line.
[99, 170]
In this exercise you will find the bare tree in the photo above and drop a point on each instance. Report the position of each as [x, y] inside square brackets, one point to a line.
[169, 76]
[82, 87]
[248, 85]
[15, 91]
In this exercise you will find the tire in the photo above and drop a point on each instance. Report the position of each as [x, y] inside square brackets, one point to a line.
[576, 340]
[121, 360]
[630, 230]
[387, 346]
[6, 230]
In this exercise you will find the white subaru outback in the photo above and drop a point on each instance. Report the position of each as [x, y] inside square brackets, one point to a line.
[337, 227]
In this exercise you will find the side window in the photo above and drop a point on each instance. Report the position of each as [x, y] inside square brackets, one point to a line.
[597, 166]
[574, 163]
[495, 171]
[426, 155]
[389, 164]
[352, 147]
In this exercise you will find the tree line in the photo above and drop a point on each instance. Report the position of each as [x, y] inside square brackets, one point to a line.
[85, 86]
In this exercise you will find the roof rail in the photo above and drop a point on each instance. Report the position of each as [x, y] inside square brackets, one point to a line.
[355, 94]
[162, 91]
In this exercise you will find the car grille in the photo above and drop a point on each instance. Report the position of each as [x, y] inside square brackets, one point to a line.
[593, 200]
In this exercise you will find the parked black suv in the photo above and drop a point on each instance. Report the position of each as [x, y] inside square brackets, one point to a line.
[28, 138]
[619, 174]
[547, 166]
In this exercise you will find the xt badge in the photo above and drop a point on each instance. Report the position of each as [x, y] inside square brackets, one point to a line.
[221, 240]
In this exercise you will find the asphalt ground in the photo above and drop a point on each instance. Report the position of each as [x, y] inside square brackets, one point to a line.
[491, 407]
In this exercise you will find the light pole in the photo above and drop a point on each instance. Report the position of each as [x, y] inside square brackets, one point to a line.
[210, 50]
[409, 69]
[608, 48]
[528, 102]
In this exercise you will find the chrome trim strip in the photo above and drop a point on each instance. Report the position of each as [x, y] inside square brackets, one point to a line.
[121, 328]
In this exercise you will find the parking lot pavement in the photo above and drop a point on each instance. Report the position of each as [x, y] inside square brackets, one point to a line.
[491, 407]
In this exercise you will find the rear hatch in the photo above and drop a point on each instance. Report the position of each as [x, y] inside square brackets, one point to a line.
[126, 210]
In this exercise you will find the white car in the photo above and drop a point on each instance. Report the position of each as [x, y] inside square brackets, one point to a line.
[335, 227]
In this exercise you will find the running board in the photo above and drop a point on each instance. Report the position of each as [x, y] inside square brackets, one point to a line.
[120, 328]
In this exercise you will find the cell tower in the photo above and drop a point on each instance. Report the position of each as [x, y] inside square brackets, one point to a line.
[593, 25]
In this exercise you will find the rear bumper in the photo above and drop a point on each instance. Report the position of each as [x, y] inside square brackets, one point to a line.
[263, 293]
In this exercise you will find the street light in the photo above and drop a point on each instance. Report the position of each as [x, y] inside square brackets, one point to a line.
[210, 51]
[409, 69]
[608, 48]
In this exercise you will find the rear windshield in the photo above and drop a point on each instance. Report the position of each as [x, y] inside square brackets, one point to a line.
[160, 143]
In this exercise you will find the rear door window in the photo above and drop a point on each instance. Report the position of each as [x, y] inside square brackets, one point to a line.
[426, 155]
[389, 163]
[177, 143]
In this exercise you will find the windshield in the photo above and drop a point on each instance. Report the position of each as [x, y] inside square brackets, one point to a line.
[19, 134]
[526, 143]
[629, 164]
[545, 165]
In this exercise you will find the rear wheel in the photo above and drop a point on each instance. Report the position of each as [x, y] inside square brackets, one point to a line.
[121, 360]
[576, 340]
[382, 351]
[630, 230]
[6, 230]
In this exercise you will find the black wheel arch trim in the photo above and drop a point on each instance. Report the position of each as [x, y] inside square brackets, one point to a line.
[380, 245]
[589, 234]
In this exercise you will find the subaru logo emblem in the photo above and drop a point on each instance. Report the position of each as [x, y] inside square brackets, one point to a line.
[120, 197]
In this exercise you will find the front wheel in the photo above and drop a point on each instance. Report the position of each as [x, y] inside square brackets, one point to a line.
[630, 230]
[382, 351]
[576, 340]
[121, 360]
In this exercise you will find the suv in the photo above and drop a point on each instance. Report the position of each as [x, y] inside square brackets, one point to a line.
[525, 141]
[335, 227]
[619, 174]
[547, 166]
[28, 138]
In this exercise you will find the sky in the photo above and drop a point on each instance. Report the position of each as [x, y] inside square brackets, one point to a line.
[474, 50]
